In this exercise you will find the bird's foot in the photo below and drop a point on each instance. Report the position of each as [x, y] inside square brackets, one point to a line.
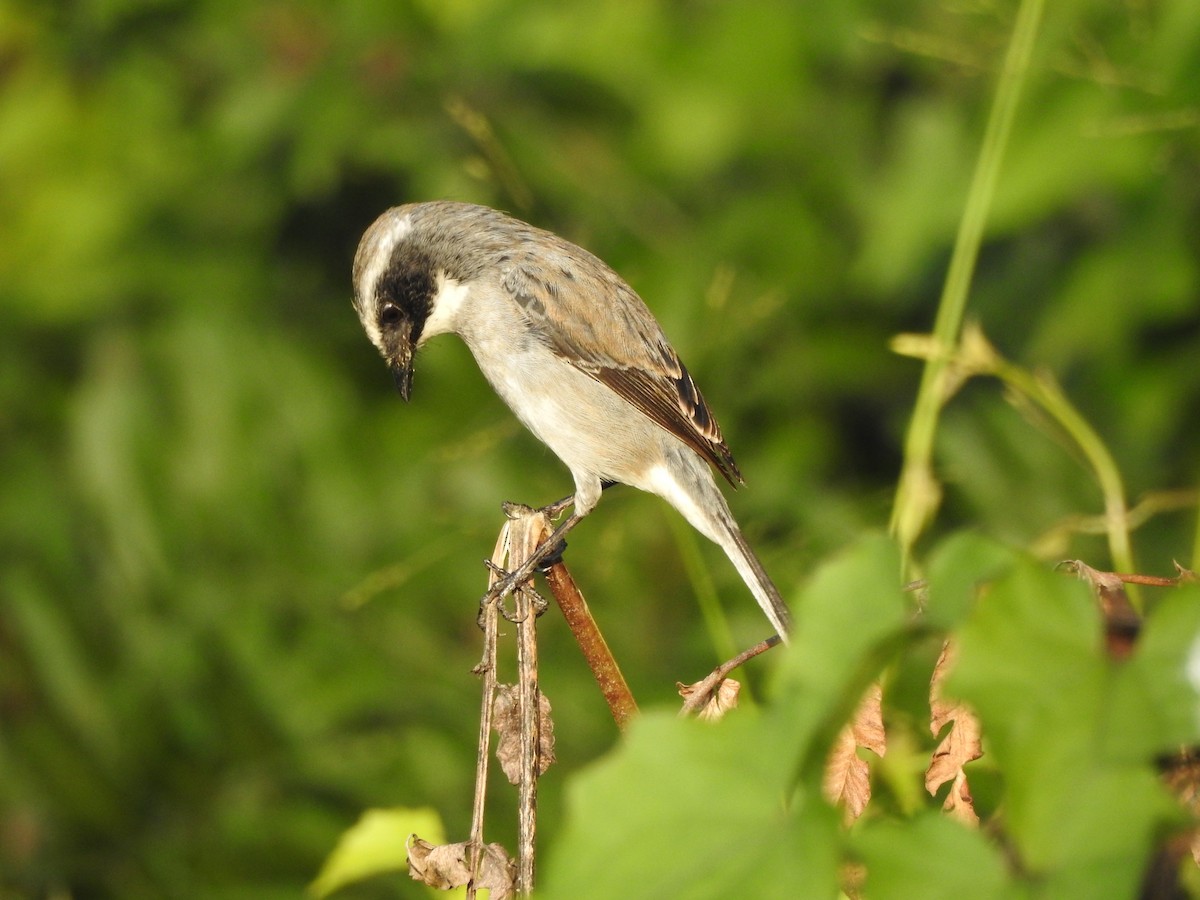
[509, 584]
[552, 510]
[546, 554]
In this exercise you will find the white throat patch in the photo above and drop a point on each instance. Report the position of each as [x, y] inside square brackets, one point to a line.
[444, 308]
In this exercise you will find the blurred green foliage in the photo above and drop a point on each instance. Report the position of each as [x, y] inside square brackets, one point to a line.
[239, 578]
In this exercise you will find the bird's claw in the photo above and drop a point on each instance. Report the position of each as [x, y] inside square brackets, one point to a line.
[509, 583]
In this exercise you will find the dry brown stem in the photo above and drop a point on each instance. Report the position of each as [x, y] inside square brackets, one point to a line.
[591, 642]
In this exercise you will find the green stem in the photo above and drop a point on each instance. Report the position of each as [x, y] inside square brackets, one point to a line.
[917, 494]
[1045, 392]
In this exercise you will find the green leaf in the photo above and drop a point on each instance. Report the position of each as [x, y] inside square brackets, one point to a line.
[851, 605]
[1033, 665]
[375, 844]
[1155, 707]
[685, 809]
[957, 568]
[1031, 657]
[931, 857]
[691, 809]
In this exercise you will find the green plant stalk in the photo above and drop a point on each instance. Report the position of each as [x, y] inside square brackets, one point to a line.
[918, 494]
[1045, 392]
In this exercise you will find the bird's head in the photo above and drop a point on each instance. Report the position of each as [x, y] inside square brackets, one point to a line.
[394, 288]
[413, 272]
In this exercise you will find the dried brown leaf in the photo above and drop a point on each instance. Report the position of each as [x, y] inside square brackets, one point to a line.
[847, 776]
[959, 802]
[447, 866]
[1108, 586]
[960, 746]
[1121, 621]
[852, 877]
[719, 700]
[506, 720]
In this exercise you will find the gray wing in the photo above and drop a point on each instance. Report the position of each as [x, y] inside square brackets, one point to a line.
[573, 300]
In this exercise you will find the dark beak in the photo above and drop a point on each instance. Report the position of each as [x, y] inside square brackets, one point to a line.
[402, 372]
[397, 347]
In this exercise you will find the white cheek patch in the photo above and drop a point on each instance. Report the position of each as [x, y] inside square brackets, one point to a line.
[372, 330]
[448, 299]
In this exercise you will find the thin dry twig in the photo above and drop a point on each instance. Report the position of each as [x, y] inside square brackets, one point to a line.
[518, 539]
[705, 694]
[489, 615]
[527, 529]
[1122, 623]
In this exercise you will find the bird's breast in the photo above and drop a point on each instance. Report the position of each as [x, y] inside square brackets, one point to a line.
[589, 427]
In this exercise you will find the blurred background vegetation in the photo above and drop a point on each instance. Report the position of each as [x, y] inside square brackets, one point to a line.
[239, 580]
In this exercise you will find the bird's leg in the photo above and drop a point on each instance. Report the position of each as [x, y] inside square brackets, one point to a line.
[547, 553]
[549, 549]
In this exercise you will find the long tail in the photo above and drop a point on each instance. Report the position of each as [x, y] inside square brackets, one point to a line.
[756, 578]
[688, 485]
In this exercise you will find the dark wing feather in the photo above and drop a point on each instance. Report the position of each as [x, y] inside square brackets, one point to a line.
[588, 315]
[678, 406]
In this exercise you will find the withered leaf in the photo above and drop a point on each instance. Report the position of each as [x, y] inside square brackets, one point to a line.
[960, 746]
[1121, 620]
[447, 866]
[506, 720]
[847, 776]
[717, 700]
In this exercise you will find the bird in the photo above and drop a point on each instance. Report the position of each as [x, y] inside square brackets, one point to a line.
[572, 350]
